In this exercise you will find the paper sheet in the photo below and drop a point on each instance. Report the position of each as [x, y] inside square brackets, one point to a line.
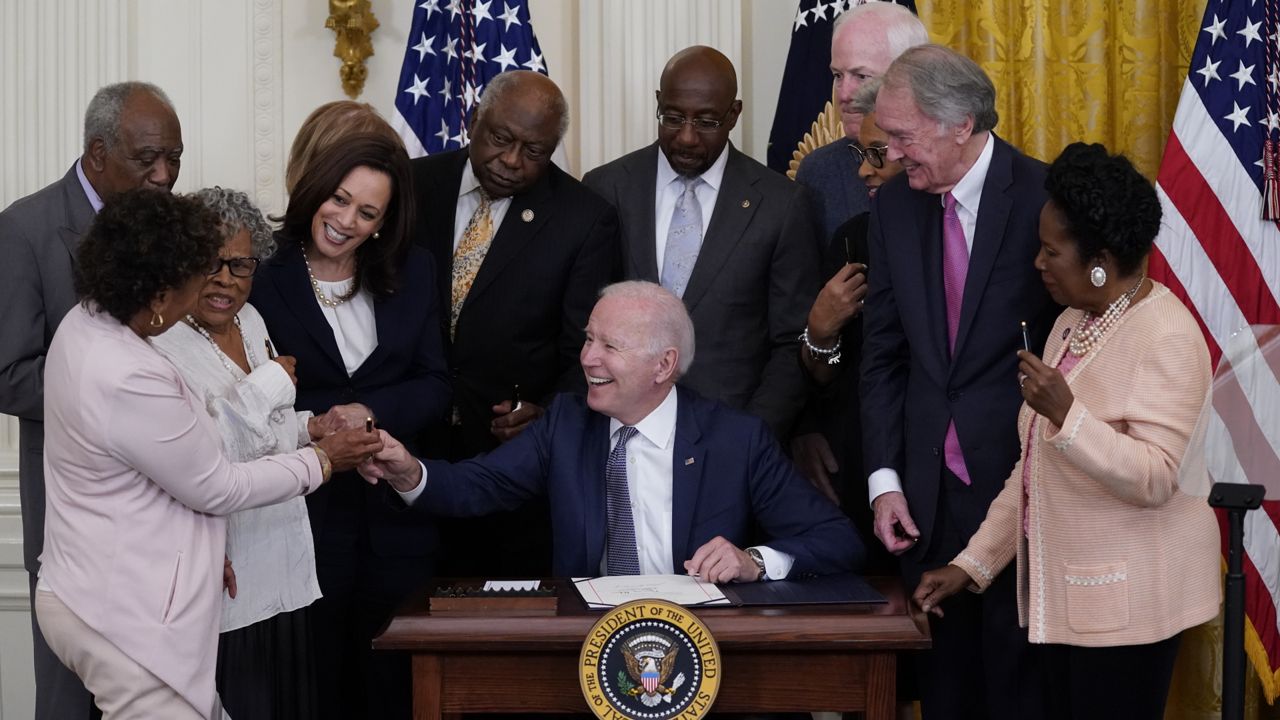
[606, 592]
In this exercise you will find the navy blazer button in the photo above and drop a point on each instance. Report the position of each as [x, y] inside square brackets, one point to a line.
[935, 452]
[954, 395]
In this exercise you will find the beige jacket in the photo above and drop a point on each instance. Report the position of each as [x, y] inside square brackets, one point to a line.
[1114, 554]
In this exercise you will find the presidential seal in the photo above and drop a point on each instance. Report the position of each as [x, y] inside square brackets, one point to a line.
[649, 660]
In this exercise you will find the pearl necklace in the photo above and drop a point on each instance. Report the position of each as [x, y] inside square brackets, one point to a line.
[315, 286]
[227, 363]
[1091, 328]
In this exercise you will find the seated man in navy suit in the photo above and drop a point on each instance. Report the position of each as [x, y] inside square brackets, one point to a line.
[643, 476]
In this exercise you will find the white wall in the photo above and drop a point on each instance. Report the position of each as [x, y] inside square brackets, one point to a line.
[243, 74]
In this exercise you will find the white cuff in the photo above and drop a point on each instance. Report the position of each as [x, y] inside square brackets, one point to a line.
[882, 481]
[412, 495]
[777, 565]
[274, 382]
[303, 417]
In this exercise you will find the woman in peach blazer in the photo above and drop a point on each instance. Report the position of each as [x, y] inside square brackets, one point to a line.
[130, 578]
[1113, 560]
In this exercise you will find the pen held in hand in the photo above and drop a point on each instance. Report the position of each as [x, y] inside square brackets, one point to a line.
[368, 424]
[271, 351]
[1026, 339]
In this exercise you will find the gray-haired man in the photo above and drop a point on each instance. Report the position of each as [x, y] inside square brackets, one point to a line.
[132, 139]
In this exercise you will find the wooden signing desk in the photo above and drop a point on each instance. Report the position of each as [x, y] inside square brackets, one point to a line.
[774, 659]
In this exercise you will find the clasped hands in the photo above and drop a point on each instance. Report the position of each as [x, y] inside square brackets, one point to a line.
[342, 434]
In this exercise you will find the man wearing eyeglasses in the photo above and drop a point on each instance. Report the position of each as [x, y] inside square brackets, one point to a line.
[132, 139]
[735, 240]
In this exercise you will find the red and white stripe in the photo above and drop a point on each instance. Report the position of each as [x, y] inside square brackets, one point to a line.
[1216, 254]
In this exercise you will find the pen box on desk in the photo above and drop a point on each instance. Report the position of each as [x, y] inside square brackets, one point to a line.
[475, 600]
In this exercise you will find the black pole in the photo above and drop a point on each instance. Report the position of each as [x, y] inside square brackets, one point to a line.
[1236, 500]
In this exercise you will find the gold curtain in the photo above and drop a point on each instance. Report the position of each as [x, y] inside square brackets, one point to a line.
[1107, 71]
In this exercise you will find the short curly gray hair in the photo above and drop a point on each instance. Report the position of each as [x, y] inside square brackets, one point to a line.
[102, 118]
[237, 212]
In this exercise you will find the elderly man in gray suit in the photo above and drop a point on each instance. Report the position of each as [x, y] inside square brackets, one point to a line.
[132, 139]
[864, 40]
[735, 240]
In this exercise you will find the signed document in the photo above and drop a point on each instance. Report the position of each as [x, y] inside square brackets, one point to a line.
[606, 592]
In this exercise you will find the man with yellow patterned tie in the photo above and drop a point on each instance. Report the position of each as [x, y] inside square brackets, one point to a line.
[521, 249]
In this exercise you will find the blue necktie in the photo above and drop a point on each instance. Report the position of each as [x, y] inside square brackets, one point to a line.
[684, 239]
[622, 557]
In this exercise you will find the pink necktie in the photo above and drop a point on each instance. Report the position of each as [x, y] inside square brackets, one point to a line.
[955, 266]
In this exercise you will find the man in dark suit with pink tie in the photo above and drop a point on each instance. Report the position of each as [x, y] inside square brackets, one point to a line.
[951, 243]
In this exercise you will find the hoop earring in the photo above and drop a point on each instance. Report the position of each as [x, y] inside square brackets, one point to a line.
[1098, 276]
[157, 320]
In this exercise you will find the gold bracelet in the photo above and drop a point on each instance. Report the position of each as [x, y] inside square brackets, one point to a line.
[326, 467]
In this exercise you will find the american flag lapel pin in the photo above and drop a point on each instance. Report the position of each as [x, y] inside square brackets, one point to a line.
[688, 461]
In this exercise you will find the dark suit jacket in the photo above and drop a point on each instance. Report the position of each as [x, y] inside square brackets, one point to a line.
[403, 381]
[838, 193]
[738, 475]
[39, 235]
[911, 388]
[751, 288]
[522, 322]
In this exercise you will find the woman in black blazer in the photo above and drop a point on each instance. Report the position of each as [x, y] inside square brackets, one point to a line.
[355, 303]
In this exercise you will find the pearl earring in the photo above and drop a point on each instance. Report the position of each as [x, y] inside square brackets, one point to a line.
[1098, 276]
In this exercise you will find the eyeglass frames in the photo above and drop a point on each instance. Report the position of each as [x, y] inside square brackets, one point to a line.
[873, 154]
[241, 267]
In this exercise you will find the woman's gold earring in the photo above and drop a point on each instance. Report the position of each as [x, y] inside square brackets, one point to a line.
[157, 320]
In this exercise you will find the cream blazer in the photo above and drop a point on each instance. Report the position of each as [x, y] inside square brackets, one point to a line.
[1115, 553]
[136, 488]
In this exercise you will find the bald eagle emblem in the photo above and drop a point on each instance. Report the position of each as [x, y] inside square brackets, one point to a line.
[650, 657]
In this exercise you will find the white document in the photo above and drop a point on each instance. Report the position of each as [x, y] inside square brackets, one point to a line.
[606, 592]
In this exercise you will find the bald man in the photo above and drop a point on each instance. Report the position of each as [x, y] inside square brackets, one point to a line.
[735, 240]
[864, 41]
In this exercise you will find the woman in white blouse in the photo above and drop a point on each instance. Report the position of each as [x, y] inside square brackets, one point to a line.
[349, 295]
[226, 357]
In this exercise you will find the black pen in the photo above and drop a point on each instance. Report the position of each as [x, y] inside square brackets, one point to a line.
[1026, 339]
[368, 424]
[515, 398]
[271, 351]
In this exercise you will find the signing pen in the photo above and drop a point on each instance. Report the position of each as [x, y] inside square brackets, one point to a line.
[1026, 339]
[368, 424]
[271, 351]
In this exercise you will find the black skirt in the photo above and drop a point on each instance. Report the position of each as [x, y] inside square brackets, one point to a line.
[265, 670]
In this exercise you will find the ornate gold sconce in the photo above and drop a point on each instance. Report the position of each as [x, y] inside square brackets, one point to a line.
[353, 22]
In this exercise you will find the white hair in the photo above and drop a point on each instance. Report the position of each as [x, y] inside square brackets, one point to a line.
[902, 29]
[666, 321]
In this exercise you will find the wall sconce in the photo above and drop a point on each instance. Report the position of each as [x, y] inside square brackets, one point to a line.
[353, 23]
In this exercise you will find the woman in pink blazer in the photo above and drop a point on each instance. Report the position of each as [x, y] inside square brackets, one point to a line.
[1114, 561]
[131, 575]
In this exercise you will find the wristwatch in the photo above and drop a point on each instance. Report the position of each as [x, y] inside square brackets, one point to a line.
[758, 559]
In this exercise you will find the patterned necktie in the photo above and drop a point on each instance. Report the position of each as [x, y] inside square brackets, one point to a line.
[622, 557]
[468, 256]
[684, 239]
[955, 267]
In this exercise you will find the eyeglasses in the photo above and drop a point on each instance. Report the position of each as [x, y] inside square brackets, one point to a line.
[241, 267]
[671, 121]
[873, 154]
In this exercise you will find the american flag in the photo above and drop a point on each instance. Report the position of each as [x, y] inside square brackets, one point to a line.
[1219, 255]
[455, 47]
